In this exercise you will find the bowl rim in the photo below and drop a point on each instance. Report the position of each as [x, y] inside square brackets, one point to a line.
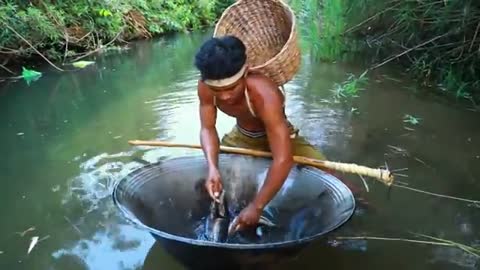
[197, 242]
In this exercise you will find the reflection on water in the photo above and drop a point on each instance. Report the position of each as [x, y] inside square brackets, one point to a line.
[95, 183]
[64, 144]
[118, 247]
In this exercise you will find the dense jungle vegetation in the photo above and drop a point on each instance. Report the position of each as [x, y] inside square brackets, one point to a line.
[70, 29]
[437, 41]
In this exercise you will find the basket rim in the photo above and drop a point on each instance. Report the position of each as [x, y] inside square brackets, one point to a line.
[290, 37]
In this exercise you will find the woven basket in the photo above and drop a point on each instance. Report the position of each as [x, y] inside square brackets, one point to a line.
[268, 30]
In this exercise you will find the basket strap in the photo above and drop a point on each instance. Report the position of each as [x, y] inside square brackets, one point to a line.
[249, 104]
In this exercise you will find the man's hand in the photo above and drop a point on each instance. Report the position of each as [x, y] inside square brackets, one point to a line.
[249, 216]
[209, 140]
[267, 102]
[214, 184]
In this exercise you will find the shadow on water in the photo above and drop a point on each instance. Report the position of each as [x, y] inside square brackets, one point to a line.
[63, 143]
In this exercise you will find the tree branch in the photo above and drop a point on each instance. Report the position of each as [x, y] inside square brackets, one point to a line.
[39, 53]
[409, 50]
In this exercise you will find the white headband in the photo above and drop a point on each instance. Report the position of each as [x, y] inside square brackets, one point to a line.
[227, 81]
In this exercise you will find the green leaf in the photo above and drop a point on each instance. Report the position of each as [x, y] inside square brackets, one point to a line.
[30, 75]
[105, 12]
[82, 64]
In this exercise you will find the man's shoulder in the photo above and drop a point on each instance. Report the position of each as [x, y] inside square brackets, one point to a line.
[203, 94]
[263, 90]
[257, 77]
[261, 84]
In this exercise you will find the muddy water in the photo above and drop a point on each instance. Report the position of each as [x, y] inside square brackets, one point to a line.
[64, 144]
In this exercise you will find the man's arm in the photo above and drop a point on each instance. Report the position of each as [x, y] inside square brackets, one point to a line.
[270, 109]
[209, 141]
[208, 132]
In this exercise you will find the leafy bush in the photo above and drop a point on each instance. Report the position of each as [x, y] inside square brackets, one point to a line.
[437, 41]
[70, 27]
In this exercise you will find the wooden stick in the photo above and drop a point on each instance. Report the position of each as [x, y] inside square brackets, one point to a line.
[382, 175]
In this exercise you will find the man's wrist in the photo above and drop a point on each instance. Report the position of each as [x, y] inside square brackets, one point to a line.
[258, 206]
[212, 168]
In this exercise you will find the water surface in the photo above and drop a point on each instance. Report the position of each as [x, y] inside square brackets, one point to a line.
[64, 143]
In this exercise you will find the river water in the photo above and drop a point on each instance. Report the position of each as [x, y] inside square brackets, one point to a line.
[64, 144]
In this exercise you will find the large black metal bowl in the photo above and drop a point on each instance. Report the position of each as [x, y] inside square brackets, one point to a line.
[168, 200]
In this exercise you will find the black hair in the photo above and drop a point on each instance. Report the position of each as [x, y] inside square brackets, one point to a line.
[220, 57]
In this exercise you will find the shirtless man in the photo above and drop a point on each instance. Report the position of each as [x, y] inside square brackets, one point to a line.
[257, 103]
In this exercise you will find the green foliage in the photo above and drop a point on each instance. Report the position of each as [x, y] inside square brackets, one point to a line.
[307, 13]
[333, 29]
[321, 25]
[80, 25]
[331, 35]
[448, 32]
[303, 14]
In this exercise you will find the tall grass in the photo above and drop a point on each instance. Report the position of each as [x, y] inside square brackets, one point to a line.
[321, 25]
[333, 24]
[437, 41]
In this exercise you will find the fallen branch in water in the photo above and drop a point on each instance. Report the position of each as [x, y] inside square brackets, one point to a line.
[98, 48]
[73, 225]
[8, 70]
[391, 239]
[468, 249]
[22, 234]
[439, 242]
[436, 194]
[382, 175]
[364, 183]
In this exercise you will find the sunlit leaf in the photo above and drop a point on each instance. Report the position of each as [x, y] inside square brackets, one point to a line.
[82, 64]
[105, 12]
[30, 75]
[32, 244]
[411, 119]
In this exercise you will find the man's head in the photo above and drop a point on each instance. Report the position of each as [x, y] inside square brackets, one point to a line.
[222, 65]
[220, 58]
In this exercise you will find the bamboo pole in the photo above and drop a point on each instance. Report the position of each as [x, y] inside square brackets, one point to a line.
[384, 176]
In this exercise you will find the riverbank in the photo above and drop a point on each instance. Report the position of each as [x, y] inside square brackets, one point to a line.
[430, 40]
[436, 42]
[66, 31]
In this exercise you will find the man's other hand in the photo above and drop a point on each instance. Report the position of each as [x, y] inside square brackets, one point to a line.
[249, 216]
